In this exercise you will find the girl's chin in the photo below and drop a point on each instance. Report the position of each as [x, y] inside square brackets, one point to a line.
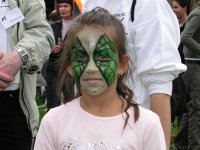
[94, 92]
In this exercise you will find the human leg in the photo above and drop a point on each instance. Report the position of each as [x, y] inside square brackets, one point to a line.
[181, 139]
[192, 80]
[14, 131]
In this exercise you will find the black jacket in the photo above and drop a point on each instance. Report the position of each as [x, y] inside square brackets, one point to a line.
[52, 64]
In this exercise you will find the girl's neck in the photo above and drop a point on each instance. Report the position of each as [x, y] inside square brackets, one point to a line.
[104, 105]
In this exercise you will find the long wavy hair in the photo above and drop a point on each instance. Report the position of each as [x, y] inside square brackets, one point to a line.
[99, 18]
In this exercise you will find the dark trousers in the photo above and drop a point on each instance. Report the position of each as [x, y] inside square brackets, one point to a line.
[14, 132]
[191, 119]
[181, 140]
[52, 98]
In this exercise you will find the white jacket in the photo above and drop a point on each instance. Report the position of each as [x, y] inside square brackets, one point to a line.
[36, 36]
[153, 39]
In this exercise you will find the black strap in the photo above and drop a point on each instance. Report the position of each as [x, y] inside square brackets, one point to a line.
[132, 10]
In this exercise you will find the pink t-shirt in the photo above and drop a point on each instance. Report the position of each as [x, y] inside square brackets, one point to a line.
[69, 127]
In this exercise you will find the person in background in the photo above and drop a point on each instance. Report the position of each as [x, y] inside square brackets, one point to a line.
[180, 95]
[53, 16]
[181, 8]
[190, 38]
[153, 37]
[26, 41]
[104, 116]
[60, 27]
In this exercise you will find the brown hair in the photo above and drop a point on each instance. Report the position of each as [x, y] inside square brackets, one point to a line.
[184, 3]
[102, 19]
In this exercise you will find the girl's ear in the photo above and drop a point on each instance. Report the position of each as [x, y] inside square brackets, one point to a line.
[123, 65]
[69, 70]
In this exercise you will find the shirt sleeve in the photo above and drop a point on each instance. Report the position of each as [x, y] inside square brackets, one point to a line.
[156, 37]
[44, 138]
[153, 138]
[37, 38]
[187, 37]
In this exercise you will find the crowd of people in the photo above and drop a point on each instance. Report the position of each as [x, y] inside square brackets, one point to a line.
[116, 75]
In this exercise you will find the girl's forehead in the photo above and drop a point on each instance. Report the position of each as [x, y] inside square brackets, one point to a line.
[89, 37]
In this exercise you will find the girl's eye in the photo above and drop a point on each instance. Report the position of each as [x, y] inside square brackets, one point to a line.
[103, 58]
[81, 58]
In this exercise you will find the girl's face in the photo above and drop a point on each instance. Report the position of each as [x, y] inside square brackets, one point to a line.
[178, 9]
[94, 61]
[65, 10]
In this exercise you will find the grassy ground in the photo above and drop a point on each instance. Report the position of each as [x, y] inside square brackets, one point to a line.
[41, 106]
[174, 130]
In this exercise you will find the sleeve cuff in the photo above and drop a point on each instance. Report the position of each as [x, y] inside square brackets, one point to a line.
[165, 88]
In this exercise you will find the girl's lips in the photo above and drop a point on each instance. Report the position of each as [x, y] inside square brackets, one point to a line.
[92, 80]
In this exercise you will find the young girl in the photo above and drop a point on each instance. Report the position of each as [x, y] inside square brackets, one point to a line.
[104, 117]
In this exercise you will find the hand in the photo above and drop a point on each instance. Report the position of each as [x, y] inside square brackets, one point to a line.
[57, 49]
[9, 66]
[3, 77]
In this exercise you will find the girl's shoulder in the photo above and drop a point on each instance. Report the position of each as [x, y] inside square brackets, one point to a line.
[146, 117]
[147, 112]
[62, 111]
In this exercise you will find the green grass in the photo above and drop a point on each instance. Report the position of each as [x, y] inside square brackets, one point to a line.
[41, 107]
[174, 130]
[42, 111]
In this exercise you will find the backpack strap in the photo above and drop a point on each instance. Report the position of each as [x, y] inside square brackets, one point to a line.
[132, 10]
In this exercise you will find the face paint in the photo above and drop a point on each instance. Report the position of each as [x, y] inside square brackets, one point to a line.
[79, 60]
[94, 61]
[106, 59]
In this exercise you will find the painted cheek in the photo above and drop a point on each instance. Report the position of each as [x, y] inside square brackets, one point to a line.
[78, 69]
[108, 71]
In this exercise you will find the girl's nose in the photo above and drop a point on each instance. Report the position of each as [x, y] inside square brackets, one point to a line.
[91, 67]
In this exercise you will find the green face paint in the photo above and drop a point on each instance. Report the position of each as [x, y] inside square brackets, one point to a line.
[106, 59]
[79, 59]
[94, 61]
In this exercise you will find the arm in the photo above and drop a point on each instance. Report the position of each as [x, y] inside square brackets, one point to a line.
[160, 104]
[9, 65]
[158, 61]
[187, 37]
[37, 39]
